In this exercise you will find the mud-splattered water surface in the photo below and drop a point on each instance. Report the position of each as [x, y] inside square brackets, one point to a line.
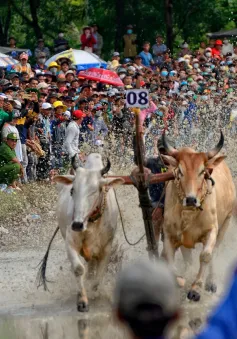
[26, 312]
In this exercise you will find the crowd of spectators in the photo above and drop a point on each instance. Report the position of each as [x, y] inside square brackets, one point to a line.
[49, 107]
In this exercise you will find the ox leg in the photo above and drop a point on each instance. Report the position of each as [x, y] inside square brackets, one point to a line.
[187, 255]
[222, 230]
[79, 271]
[168, 253]
[205, 259]
[102, 266]
[210, 285]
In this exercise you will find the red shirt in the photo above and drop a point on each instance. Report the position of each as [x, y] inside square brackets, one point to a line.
[87, 41]
[216, 52]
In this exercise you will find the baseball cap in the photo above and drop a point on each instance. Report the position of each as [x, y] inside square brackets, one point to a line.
[131, 68]
[16, 113]
[46, 105]
[48, 73]
[23, 56]
[146, 283]
[69, 72]
[218, 42]
[12, 136]
[68, 98]
[116, 54]
[78, 114]
[4, 82]
[67, 114]
[3, 96]
[42, 85]
[121, 70]
[62, 89]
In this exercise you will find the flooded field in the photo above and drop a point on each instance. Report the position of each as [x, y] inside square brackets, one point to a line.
[27, 312]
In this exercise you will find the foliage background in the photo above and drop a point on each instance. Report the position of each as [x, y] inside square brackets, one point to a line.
[28, 20]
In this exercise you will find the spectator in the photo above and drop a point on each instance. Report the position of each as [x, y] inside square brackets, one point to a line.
[234, 56]
[72, 134]
[158, 50]
[137, 64]
[100, 130]
[130, 43]
[23, 65]
[60, 44]
[14, 77]
[40, 62]
[12, 42]
[88, 40]
[146, 299]
[54, 67]
[217, 50]
[114, 64]
[6, 110]
[10, 167]
[185, 50]
[202, 47]
[227, 47]
[147, 59]
[41, 49]
[10, 127]
[99, 40]
[44, 134]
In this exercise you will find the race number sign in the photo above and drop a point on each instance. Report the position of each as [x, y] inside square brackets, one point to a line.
[137, 98]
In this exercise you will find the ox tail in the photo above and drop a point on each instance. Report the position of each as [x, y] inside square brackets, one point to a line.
[41, 275]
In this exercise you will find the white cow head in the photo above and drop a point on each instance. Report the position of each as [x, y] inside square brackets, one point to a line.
[86, 190]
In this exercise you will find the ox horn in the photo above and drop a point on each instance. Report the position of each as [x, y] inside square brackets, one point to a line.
[168, 148]
[218, 147]
[75, 162]
[106, 168]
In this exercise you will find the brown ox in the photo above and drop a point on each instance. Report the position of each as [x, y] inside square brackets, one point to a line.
[198, 207]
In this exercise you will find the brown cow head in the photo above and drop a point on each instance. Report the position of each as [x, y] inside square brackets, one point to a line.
[191, 168]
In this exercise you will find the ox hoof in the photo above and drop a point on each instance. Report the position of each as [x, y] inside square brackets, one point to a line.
[211, 287]
[82, 306]
[195, 324]
[193, 295]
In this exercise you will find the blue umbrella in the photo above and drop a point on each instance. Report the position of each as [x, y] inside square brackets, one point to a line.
[6, 61]
[81, 59]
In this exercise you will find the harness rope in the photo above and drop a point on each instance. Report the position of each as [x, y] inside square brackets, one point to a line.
[123, 227]
[98, 212]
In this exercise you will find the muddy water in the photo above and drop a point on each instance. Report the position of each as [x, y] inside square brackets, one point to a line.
[28, 312]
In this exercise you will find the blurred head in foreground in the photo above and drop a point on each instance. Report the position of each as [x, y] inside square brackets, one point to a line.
[146, 298]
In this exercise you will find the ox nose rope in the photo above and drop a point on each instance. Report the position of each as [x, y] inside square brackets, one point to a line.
[123, 227]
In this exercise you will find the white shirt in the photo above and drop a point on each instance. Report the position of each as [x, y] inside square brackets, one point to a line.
[72, 139]
[7, 128]
[227, 48]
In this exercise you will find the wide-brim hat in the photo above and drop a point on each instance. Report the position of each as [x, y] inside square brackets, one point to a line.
[12, 136]
[58, 103]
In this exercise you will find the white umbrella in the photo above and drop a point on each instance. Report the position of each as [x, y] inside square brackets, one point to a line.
[6, 60]
[80, 58]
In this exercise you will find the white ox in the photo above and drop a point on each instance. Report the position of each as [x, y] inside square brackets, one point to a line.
[198, 207]
[87, 218]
